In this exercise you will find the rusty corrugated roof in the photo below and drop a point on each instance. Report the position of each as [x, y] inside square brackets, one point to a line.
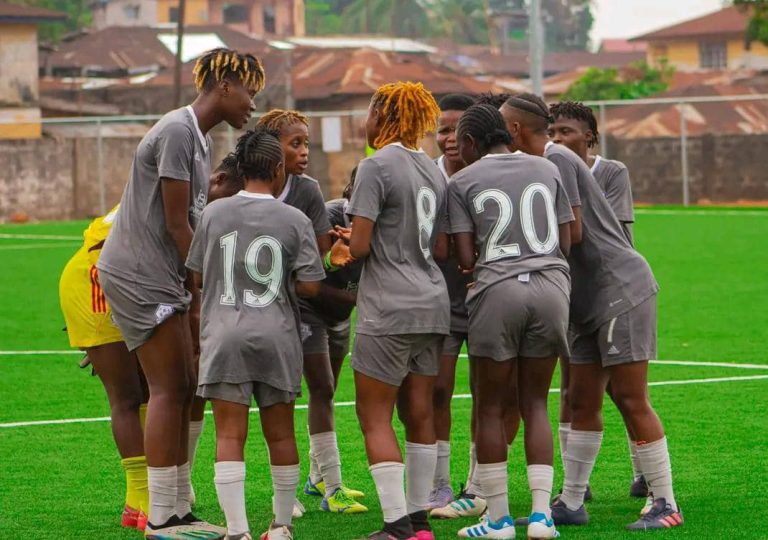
[731, 21]
[15, 12]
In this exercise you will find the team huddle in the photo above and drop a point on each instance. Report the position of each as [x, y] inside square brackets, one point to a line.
[229, 286]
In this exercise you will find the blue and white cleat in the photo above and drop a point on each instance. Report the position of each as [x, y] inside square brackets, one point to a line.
[539, 527]
[465, 505]
[504, 529]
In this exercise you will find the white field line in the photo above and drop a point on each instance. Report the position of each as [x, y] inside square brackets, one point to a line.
[39, 353]
[68, 245]
[663, 212]
[39, 237]
[341, 404]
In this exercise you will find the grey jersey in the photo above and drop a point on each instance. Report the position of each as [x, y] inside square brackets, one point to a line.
[303, 192]
[608, 277]
[250, 250]
[613, 178]
[513, 203]
[401, 291]
[455, 280]
[139, 247]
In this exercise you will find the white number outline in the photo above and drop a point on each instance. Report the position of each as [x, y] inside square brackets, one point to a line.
[494, 251]
[426, 218]
[526, 219]
[272, 279]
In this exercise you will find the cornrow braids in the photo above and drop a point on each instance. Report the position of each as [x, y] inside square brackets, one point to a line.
[496, 100]
[575, 110]
[220, 64]
[258, 153]
[410, 112]
[277, 119]
[486, 126]
[534, 108]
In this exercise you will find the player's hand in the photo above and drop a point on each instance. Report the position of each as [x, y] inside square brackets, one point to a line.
[194, 322]
[340, 255]
[342, 233]
[468, 272]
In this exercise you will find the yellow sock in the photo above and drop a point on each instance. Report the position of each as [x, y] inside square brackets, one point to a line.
[137, 491]
[142, 415]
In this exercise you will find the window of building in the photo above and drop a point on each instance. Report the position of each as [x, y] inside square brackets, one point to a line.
[131, 12]
[173, 14]
[269, 20]
[713, 55]
[235, 13]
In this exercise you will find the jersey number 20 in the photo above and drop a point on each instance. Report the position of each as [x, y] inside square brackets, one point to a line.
[494, 249]
[271, 279]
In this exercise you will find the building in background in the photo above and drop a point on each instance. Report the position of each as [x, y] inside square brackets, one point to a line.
[713, 41]
[19, 93]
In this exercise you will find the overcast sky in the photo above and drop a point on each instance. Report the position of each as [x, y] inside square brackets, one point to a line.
[628, 18]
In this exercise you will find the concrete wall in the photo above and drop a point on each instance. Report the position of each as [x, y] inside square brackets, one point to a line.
[685, 54]
[114, 13]
[58, 177]
[18, 82]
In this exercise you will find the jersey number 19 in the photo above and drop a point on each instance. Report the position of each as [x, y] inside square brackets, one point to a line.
[271, 279]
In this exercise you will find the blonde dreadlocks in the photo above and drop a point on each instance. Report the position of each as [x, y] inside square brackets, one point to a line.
[277, 119]
[410, 112]
[219, 64]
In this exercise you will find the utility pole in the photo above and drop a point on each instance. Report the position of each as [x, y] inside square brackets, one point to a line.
[179, 42]
[536, 47]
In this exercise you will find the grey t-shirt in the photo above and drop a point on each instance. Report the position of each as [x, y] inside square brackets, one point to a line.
[303, 192]
[139, 247]
[608, 277]
[250, 250]
[401, 291]
[455, 280]
[613, 178]
[513, 203]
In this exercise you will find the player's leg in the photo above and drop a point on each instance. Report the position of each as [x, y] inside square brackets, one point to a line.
[564, 429]
[119, 372]
[277, 415]
[231, 420]
[196, 424]
[442, 494]
[638, 488]
[494, 379]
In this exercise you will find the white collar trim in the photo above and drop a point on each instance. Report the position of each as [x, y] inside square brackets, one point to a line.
[286, 189]
[500, 155]
[250, 195]
[441, 166]
[546, 146]
[598, 159]
[419, 151]
[200, 135]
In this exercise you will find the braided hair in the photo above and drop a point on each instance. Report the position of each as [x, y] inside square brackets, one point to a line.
[455, 102]
[277, 119]
[258, 153]
[409, 110]
[533, 108]
[575, 110]
[222, 64]
[496, 100]
[486, 126]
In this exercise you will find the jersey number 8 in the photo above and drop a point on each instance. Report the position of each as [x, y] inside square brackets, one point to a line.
[426, 212]
[494, 250]
[271, 279]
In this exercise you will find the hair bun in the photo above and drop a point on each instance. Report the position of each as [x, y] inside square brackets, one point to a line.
[497, 136]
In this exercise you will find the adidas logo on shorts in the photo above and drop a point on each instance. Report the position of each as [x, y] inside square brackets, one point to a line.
[613, 350]
[162, 312]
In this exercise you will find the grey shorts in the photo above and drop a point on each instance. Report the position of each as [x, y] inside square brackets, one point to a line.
[518, 318]
[137, 309]
[264, 394]
[452, 344]
[390, 359]
[630, 337]
[322, 338]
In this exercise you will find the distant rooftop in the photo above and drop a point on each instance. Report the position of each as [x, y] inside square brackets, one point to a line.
[384, 44]
[24, 14]
[731, 21]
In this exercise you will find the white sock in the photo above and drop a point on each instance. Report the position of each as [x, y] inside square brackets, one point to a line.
[443, 468]
[540, 478]
[314, 467]
[657, 469]
[230, 488]
[162, 494]
[390, 485]
[583, 447]
[633, 456]
[184, 490]
[563, 431]
[195, 430]
[326, 451]
[420, 463]
[473, 488]
[492, 478]
[285, 480]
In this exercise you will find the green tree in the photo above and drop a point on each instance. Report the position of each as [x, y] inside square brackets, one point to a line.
[757, 29]
[78, 16]
[567, 24]
[638, 81]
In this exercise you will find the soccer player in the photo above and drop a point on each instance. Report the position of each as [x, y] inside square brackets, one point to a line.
[251, 255]
[398, 207]
[612, 333]
[575, 126]
[511, 210]
[303, 192]
[89, 326]
[141, 269]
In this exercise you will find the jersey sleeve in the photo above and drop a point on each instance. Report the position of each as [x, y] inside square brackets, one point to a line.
[196, 254]
[459, 216]
[370, 191]
[316, 210]
[562, 204]
[175, 152]
[618, 191]
[569, 176]
[308, 266]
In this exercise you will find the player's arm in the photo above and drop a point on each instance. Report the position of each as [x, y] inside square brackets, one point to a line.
[442, 249]
[575, 231]
[317, 214]
[338, 303]
[461, 227]
[371, 190]
[175, 195]
[307, 289]
[566, 215]
[308, 267]
[565, 238]
[360, 239]
[464, 243]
